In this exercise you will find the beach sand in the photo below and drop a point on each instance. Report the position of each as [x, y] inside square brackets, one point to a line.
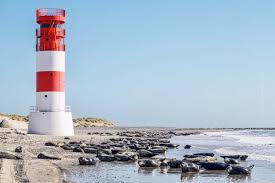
[31, 169]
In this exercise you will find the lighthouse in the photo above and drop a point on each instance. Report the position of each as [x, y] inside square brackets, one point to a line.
[50, 116]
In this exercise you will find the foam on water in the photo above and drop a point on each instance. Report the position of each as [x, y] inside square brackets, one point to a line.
[258, 144]
[256, 138]
[262, 155]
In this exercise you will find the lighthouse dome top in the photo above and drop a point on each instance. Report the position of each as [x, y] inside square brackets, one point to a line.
[44, 15]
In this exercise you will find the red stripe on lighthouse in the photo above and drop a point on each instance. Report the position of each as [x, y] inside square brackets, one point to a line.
[50, 81]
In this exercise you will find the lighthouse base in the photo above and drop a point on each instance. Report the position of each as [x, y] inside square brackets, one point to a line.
[51, 123]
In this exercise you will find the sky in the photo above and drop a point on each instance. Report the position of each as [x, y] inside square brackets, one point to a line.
[171, 63]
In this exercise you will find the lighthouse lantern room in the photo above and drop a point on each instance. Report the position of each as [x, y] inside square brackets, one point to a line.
[50, 116]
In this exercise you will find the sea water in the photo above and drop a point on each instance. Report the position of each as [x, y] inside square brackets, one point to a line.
[258, 144]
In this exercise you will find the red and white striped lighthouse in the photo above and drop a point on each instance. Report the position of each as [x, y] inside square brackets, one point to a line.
[50, 115]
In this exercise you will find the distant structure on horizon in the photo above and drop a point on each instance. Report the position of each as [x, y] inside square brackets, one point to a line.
[50, 116]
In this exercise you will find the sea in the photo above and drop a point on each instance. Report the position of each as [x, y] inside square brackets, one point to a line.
[259, 145]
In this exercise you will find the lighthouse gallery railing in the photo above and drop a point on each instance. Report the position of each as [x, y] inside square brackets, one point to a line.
[36, 109]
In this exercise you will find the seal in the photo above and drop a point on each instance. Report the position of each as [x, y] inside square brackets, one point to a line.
[174, 163]
[231, 156]
[238, 170]
[149, 163]
[145, 153]
[18, 149]
[189, 167]
[231, 161]
[126, 156]
[204, 154]
[243, 157]
[164, 162]
[201, 159]
[215, 166]
[105, 157]
[86, 161]
[187, 146]
[157, 149]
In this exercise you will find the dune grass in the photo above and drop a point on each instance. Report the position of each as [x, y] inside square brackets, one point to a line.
[78, 122]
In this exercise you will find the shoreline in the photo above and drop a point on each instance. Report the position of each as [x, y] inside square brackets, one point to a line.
[31, 169]
[40, 170]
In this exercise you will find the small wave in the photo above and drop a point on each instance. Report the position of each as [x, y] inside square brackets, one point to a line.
[229, 151]
[255, 155]
[257, 144]
[249, 139]
[242, 137]
[262, 157]
[216, 134]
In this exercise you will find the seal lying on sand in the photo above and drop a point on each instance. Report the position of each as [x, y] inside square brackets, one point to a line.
[18, 149]
[149, 163]
[204, 154]
[126, 156]
[105, 157]
[201, 159]
[214, 166]
[46, 156]
[86, 161]
[157, 150]
[231, 156]
[238, 170]
[189, 167]
[241, 157]
[164, 162]
[187, 146]
[174, 163]
[116, 150]
[231, 161]
[145, 153]
[199, 155]
[5, 155]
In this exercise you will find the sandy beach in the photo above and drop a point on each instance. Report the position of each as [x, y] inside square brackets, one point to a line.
[31, 169]
[25, 166]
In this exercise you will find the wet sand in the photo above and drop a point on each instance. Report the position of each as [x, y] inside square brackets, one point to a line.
[206, 141]
[31, 169]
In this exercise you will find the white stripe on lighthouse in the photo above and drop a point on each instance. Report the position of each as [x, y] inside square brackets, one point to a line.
[50, 61]
[50, 101]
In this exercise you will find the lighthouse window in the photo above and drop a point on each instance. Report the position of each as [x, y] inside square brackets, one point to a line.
[45, 96]
[50, 25]
[45, 25]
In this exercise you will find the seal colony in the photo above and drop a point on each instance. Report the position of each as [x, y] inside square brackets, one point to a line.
[34, 158]
[135, 147]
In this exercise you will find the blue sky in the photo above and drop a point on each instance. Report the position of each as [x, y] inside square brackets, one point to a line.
[151, 62]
